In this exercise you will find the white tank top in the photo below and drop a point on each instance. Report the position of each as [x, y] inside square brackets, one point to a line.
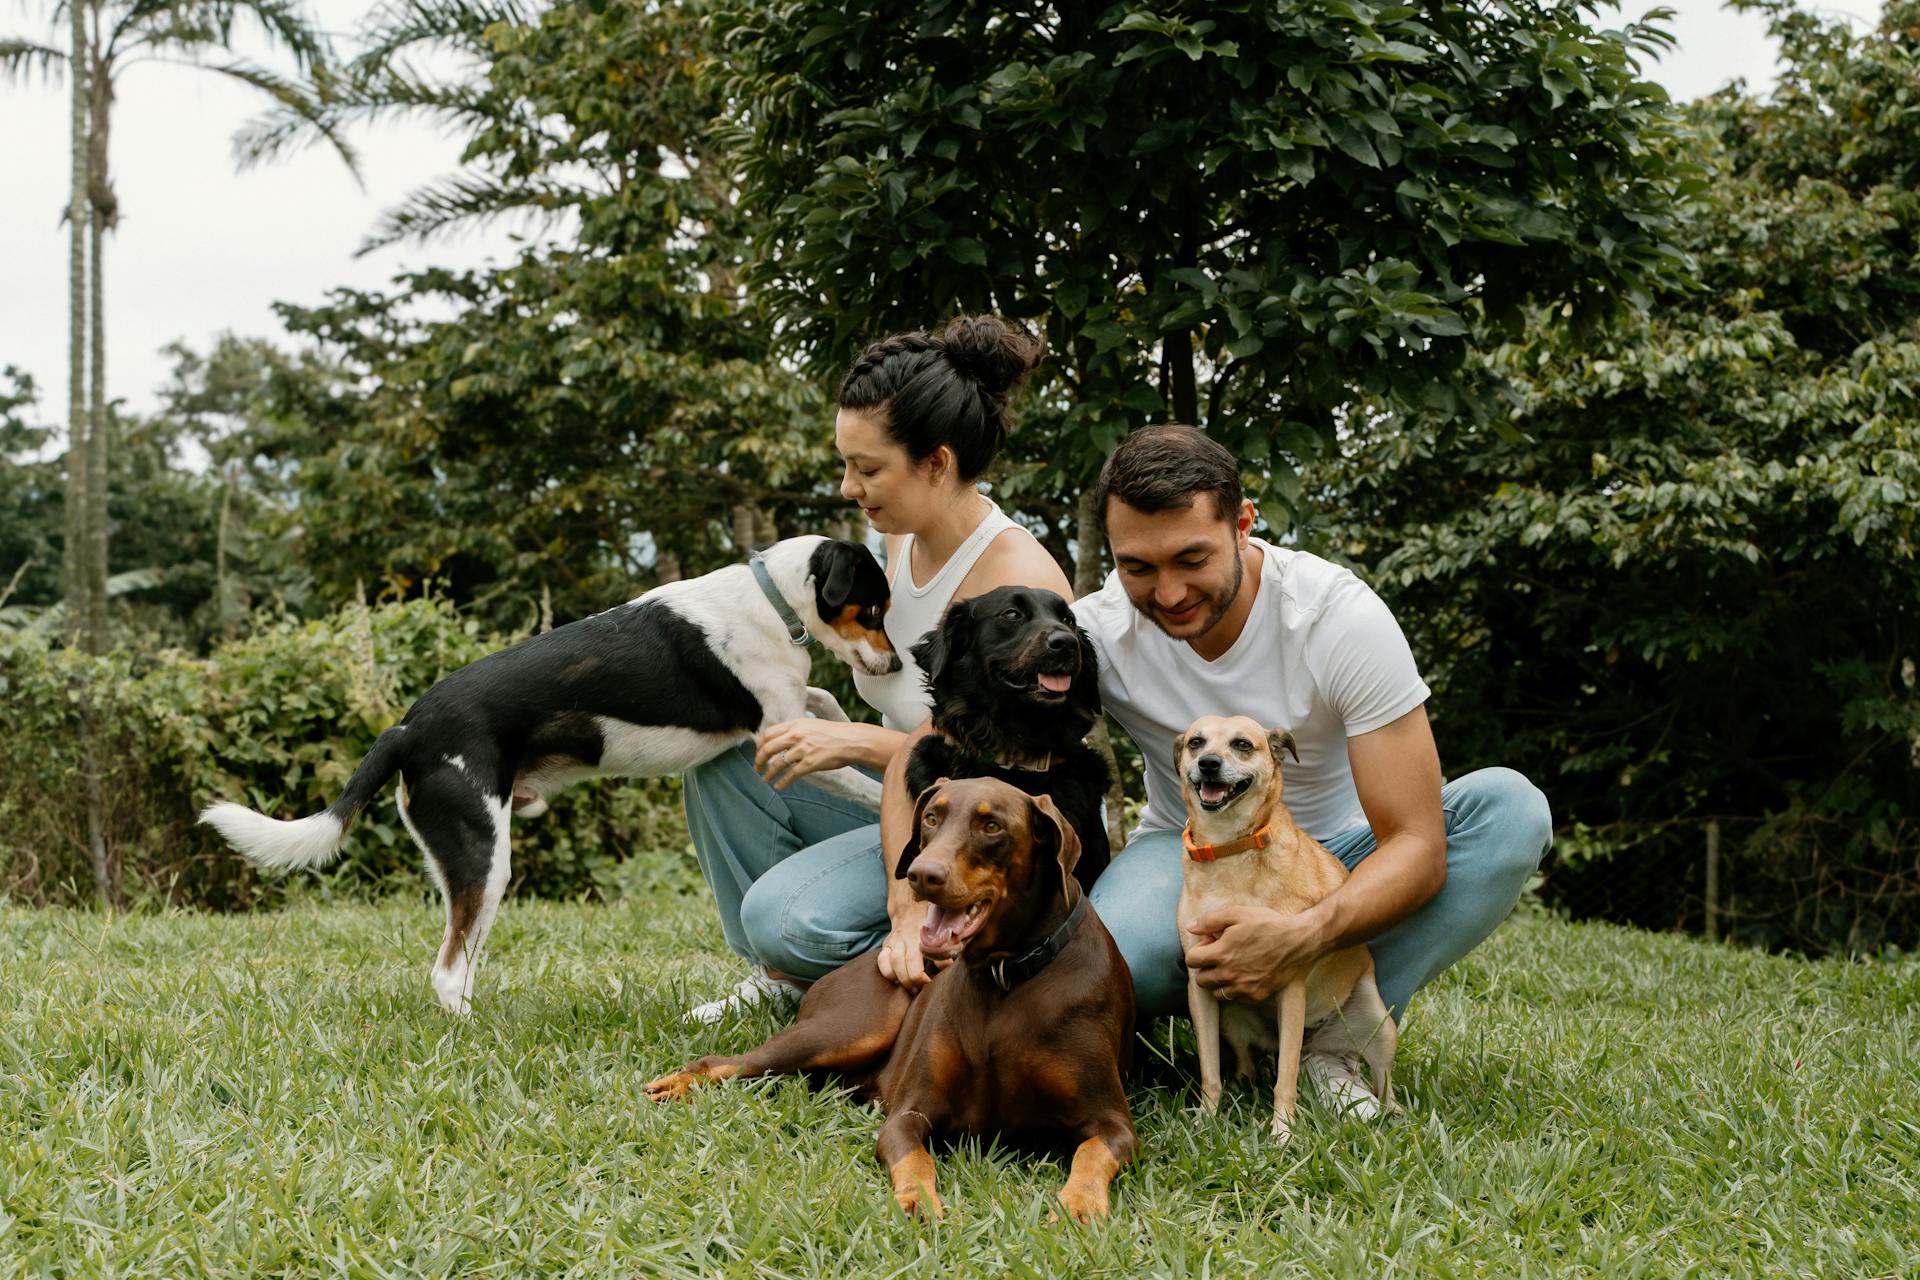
[901, 698]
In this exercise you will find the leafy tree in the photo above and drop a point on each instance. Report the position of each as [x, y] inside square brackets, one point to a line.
[185, 566]
[591, 406]
[1244, 215]
[30, 516]
[1686, 589]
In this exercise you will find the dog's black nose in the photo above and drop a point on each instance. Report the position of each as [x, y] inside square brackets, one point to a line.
[928, 877]
[1209, 764]
[1061, 639]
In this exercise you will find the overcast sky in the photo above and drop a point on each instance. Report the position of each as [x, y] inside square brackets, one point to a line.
[202, 249]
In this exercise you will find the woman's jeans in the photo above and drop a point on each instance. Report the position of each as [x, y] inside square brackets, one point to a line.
[797, 878]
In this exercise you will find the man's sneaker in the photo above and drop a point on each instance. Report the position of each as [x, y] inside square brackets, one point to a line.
[756, 989]
[1341, 1085]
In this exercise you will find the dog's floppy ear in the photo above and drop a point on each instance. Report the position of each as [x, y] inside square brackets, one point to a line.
[911, 849]
[1280, 740]
[841, 564]
[946, 644]
[1053, 834]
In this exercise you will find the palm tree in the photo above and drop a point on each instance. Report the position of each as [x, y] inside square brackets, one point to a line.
[108, 36]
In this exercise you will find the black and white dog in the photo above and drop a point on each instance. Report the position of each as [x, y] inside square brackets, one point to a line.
[654, 686]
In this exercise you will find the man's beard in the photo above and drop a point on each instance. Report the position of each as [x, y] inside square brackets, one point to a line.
[1217, 605]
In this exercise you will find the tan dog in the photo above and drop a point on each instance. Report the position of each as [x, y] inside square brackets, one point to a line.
[1243, 849]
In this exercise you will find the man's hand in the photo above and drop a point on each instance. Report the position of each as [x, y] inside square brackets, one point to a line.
[1246, 953]
[900, 960]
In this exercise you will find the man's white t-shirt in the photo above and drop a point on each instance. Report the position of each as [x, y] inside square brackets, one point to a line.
[1320, 656]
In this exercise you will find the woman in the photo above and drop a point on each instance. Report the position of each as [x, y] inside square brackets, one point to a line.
[797, 873]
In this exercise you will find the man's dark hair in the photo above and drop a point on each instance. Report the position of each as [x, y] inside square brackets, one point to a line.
[1168, 466]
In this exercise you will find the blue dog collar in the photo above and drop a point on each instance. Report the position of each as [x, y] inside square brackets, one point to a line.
[797, 632]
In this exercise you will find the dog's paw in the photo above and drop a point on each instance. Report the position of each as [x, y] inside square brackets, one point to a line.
[824, 705]
[1083, 1205]
[671, 1087]
[920, 1202]
[1281, 1129]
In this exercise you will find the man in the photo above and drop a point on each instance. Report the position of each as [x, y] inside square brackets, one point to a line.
[1199, 618]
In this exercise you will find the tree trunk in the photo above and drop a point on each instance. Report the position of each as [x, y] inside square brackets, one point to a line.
[666, 566]
[96, 541]
[742, 529]
[230, 603]
[96, 804]
[1183, 390]
[75, 560]
[105, 215]
[1089, 546]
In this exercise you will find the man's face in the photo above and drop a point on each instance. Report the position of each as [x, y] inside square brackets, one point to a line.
[1181, 567]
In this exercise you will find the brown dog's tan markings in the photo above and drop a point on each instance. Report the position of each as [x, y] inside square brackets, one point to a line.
[1244, 849]
[1085, 1195]
[913, 1176]
[1038, 1058]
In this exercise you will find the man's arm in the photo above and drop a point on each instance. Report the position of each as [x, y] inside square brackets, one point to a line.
[1396, 770]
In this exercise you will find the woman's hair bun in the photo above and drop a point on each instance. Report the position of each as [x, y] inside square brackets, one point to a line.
[990, 351]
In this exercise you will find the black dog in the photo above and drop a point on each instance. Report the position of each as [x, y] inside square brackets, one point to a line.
[1016, 690]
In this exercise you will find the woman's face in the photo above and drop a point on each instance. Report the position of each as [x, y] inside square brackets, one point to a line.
[894, 492]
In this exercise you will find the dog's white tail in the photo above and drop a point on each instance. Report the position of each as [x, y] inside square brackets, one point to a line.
[269, 842]
[309, 842]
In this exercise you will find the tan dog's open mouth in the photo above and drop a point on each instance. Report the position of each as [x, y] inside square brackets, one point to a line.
[1215, 794]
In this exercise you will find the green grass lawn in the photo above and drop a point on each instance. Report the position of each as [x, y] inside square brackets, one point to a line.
[279, 1095]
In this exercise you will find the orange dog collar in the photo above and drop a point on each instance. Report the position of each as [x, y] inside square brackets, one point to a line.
[1208, 852]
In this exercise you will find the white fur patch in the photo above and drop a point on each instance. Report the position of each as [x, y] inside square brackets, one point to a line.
[646, 750]
[269, 842]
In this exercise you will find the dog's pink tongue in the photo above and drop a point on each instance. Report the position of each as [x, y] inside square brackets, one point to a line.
[1055, 684]
[937, 934]
[1212, 791]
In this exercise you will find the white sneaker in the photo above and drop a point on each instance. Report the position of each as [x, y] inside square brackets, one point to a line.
[756, 989]
[1341, 1084]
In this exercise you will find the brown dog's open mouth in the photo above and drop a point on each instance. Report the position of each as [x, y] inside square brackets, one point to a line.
[1214, 794]
[947, 928]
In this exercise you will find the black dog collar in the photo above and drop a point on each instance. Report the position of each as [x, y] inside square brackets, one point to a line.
[1012, 764]
[796, 630]
[1006, 971]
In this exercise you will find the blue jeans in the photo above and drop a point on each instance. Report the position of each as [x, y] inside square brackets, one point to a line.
[796, 876]
[1498, 829]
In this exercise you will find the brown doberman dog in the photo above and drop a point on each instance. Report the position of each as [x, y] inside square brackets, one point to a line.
[1025, 1036]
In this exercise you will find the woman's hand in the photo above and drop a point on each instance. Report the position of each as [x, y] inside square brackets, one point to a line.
[795, 748]
[901, 962]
